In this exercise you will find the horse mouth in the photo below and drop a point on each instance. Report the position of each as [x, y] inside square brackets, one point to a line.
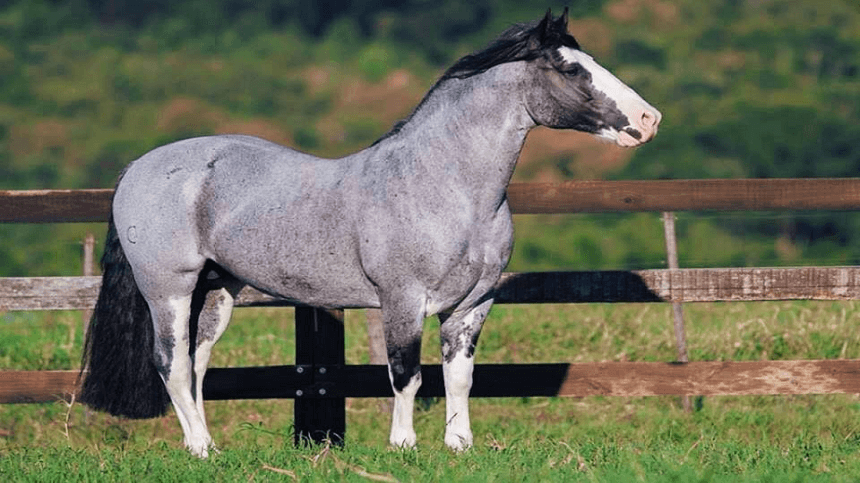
[627, 139]
[630, 137]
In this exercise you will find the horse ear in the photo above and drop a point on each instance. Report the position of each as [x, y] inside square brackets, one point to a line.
[561, 23]
[545, 26]
[542, 32]
[548, 17]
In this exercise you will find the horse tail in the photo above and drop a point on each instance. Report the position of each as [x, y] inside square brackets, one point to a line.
[117, 365]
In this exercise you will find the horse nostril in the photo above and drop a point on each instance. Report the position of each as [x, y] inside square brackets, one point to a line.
[649, 119]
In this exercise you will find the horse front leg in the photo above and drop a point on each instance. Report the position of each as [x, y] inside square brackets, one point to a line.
[459, 335]
[403, 328]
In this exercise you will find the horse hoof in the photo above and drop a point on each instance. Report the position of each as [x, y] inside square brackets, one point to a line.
[202, 451]
[458, 442]
[406, 440]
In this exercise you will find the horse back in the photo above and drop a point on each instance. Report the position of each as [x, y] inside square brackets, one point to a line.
[274, 217]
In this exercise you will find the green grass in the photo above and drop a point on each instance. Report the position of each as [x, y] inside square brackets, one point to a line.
[761, 438]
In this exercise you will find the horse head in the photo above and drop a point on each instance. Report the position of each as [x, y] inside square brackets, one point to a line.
[569, 90]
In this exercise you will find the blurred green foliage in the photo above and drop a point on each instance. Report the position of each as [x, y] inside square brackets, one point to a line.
[748, 89]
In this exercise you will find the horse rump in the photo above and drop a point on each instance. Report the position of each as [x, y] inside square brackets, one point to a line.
[117, 367]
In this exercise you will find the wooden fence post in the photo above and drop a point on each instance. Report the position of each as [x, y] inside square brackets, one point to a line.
[87, 262]
[377, 350]
[677, 310]
[376, 337]
[320, 350]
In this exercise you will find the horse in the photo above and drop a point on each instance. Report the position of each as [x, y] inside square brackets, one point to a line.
[417, 224]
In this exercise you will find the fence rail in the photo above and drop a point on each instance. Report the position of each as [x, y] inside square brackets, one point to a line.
[320, 380]
[70, 206]
[627, 379]
[682, 285]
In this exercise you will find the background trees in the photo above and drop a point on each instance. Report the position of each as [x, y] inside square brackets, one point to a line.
[748, 89]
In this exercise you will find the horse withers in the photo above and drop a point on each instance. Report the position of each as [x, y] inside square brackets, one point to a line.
[417, 224]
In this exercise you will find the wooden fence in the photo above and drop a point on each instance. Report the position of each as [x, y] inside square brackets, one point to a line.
[320, 379]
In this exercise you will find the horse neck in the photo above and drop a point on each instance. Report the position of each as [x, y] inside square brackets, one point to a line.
[467, 134]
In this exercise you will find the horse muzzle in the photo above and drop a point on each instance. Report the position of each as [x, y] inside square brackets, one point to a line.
[642, 129]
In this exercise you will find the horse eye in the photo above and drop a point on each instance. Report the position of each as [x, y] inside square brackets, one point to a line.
[573, 70]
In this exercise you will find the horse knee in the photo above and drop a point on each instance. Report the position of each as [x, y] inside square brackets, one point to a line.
[459, 333]
[404, 362]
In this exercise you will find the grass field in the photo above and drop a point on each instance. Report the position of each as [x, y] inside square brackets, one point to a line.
[768, 438]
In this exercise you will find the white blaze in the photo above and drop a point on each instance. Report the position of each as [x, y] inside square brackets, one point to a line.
[627, 100]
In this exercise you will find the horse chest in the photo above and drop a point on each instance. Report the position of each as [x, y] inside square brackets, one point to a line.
[439, 257]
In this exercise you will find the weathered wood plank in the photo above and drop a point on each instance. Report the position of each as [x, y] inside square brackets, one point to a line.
[49, 293]
[55, 206]
[685, 285]
[712, 378]
[626, 379]
[37, 386]
[755, 284]
[686, 195]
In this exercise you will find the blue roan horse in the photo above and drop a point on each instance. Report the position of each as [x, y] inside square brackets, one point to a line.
[417, 224]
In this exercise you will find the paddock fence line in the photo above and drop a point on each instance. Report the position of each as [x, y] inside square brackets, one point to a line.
[836, 194]
[320, 379]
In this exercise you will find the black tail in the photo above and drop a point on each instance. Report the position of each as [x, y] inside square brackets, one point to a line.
[118, 352]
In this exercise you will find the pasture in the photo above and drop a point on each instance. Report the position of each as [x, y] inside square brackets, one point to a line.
[751, 438]
[751, 89]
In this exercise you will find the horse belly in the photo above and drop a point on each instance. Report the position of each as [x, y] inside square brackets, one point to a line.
[297, 265]
[327, 286]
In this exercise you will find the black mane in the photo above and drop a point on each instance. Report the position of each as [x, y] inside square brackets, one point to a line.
[524, 41]
[520, 42]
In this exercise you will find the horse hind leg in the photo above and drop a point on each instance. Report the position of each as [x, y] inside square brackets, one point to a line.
[459, 333]
[213, 309]
[170, 316]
